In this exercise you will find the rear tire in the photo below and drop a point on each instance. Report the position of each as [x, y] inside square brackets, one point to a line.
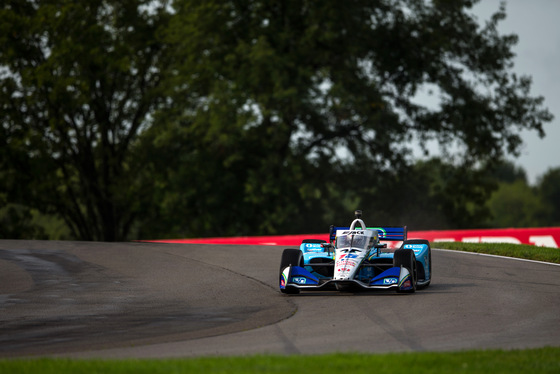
[405, 257]
[290, 257]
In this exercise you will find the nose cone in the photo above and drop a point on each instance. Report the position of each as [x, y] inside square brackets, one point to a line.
[345, 266]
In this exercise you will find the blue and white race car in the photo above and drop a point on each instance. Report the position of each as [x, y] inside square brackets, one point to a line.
[356, 259]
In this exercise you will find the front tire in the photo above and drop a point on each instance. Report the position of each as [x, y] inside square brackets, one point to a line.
[290, 257]
[405, 257]
[421, 271]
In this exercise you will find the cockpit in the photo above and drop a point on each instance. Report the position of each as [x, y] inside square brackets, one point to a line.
[353, 241]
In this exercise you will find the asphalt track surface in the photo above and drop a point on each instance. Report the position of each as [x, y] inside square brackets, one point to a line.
[146, 300]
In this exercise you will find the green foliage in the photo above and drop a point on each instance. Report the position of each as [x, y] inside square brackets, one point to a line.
[79, 81]
[290, 109]
[432, 194]
[516, 205]
[549, 189]
[128, 120]
[508, 172]
[16, 222]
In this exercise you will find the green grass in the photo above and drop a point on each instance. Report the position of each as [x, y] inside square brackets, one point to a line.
[529, 252]
[543, 360]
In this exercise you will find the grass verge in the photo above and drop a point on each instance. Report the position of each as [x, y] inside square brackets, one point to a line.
[542, 360]
[529, 252]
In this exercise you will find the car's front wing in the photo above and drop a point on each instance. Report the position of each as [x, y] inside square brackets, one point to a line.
[299, 277]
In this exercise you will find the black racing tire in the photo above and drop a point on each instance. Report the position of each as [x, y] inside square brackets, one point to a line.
[290, 257]
[405, 257]
[421, 271]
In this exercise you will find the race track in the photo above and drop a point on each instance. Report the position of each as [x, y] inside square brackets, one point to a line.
[106, 300]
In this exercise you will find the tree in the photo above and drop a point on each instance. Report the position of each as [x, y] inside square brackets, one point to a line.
[249, 117]
[548, 188]
[297, 96]
[507, 172]
[516, 204]
[16, 223]
[78, 84]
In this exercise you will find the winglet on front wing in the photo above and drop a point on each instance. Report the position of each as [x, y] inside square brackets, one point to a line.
[388, 278]
[395, 276]
[297, 276]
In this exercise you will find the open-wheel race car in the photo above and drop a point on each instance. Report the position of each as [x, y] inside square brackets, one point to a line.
[354, 258]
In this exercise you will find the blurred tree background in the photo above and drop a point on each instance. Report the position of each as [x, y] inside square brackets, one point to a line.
[138, 119]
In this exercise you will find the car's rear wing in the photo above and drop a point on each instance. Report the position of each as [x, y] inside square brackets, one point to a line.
[392, 233]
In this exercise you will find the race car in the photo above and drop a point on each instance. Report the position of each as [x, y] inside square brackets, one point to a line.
[354, 259]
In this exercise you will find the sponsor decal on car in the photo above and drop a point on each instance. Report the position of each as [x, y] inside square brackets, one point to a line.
[299, 280]
[390, 280]
[347, 256]
[346, 263]
[416, 248]
[313, 247]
